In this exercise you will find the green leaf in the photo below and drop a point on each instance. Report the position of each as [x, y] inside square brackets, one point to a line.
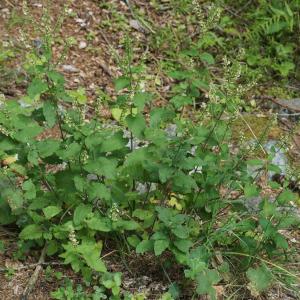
[251, 190]
[49, 111]
[121, 83]
[33, 157]
[260, 278]
[117, 113]
[56, 77]
[113, 142]
[102, 166]
[28, 133]
[52, 247]
[51, 211]
[207, 58]
[80, 183]
[205, 282]
[144, 246]
[99, 190]
[14, 198]
[183, 245]
[47, 147]
[183, 183]
[142, 214]
[180, 101]
[280, 241]
[31, 232]
[71, 151]
[285, 197]
[78, 95]
[140, 99]
[80, 213]
[136, 124]
[128, 225]
[29, 188]
[36, 88]
[91, 254]
[160, 246]
[133, 240]
[160, 115]
[99, 224]
[165, 173]
[181, 232]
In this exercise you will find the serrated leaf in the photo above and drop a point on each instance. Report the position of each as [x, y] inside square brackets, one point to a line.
[49, 112]
[117, 113]
[36, 88]
[207, 58]
[102, 166]
[128, 225]
[142, 214]
[144, 246]
[205, 282]
[280, 241]
[285, 197]
[140, 99]
[91, 254]
[29, 188]
[133, 240]
[136, 124]
[71, 151]
[78, 95]
[180, 101]
[47, 147]
[160, 115]
[31, 232]
[165, 173]
[80, 213]
[121, 83]
[80, 183]
[51, 211]
[260, 278]
[183, 245]
[181, 232]
[113, 142]
[251, 190]
[99, 190]
[160, 246]
[28, 133]
[99, 224]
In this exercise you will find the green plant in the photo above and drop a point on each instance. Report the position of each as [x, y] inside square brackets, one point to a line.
[152, 180]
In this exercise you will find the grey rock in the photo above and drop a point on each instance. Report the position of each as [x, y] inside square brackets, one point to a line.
[82, 45]
[70, 69]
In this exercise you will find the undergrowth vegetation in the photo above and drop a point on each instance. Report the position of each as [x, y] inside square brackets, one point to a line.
[160, 180]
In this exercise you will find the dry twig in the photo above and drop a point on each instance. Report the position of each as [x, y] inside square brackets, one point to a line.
[33, 279]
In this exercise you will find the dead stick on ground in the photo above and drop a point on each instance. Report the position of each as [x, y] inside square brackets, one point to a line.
[32, 281]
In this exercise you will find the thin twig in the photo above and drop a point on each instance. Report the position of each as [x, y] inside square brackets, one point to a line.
[9, 3]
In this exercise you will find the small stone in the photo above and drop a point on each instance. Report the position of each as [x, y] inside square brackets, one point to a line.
[82, 45]
[81, 22]
[137, 26]
[5, 11]
[70, 69]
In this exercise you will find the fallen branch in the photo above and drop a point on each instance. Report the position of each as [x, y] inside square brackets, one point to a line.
[106, 69]
[33, 279]
[30, 266]
[290, 104]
